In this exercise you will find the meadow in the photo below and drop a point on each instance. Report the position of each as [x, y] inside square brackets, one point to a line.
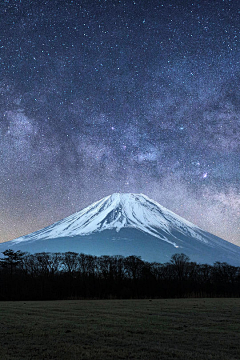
[196, 329]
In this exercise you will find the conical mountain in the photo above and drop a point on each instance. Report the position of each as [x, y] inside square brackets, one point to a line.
[128, 224]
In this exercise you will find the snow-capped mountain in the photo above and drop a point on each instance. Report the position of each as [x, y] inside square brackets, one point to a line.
[128, 224]
[118, 211]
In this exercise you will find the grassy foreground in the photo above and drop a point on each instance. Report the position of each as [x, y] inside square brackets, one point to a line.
[121, 329]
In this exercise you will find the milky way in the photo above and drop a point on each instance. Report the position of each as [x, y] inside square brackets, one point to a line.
[111, 96]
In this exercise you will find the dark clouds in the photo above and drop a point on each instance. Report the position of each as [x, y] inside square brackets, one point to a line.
[103, 96]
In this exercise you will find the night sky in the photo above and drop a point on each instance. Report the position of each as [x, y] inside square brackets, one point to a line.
[103, 96]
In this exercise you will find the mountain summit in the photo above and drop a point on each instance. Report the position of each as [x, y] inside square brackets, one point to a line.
[128, 224]
[118, 211]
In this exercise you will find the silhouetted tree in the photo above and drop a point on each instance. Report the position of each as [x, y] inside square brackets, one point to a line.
[12, 260]
[133, 266]
[70, 262]
[43, 276]
[180, 263]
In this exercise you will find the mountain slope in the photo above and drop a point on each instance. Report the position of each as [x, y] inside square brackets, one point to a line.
[126, 224]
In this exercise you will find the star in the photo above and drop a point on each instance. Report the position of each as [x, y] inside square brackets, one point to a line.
[119, 96]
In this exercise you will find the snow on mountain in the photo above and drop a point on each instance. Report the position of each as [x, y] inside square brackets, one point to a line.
[118, 211]
[128, 224]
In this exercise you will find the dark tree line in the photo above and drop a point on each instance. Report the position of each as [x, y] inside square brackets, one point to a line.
[47, 276]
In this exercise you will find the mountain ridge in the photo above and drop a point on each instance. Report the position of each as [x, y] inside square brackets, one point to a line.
[99, 216]
[128, 217]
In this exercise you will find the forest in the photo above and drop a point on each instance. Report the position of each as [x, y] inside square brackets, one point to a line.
[65, 276]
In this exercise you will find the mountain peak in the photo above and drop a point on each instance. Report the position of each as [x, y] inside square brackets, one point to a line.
[126, 224]
[118, 211]
[126, 197]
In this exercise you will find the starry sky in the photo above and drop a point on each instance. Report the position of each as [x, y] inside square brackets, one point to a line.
[103, 96]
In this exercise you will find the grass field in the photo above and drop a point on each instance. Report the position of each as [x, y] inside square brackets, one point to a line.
[121, 329]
